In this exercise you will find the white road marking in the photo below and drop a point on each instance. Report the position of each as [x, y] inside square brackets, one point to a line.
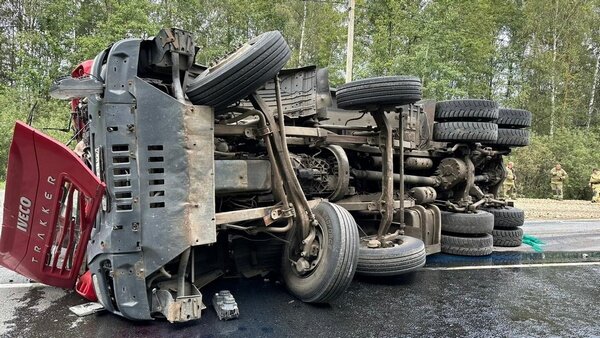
[20, 285]
[562, 221]
[511, 266]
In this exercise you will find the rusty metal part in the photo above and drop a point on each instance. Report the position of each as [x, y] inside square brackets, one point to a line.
[371, 175]
[183, 263]
[177, 309]
[423, 195]
[450, 206]
[401, 129]
[383, 241]
[489, 152]
[476, 192]
[418, 163]
[278, 183]
[369, 206]
[289, 179]
[336, 127]
[278, 213]
[250, 214]
[256, 213]
[425, 222]
[387, 179]
[175, 73]
[476, 205]
[451, 171]
[238, 176]
[253, 230]
[343, 171]
[307, 136]
[470, 180]
[289, 171]
[307, 244]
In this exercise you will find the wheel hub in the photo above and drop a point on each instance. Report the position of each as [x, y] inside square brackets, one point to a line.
[310, 252]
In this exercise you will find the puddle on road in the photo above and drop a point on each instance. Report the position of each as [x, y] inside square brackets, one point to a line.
[29, 303]
[512, 257]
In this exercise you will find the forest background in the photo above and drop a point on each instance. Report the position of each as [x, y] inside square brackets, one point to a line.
[539, 55]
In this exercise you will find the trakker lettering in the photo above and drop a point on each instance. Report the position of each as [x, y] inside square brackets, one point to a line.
[50, 205]
[24, 211]
[44, 219]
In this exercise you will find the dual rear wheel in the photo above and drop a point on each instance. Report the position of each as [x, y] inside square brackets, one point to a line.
[471, 121]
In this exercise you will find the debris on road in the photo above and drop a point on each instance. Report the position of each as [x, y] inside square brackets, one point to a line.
[86, 309]
[225, 305]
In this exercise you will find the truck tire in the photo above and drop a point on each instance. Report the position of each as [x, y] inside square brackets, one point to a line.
[465, 132]
[379, 91]
[396, 260]
[507, 217]
[480, 222]
[466, 110]
[513, 118]
[242, 72]
[338, 236]
[508, 238]
[467, 246]
[512, 137]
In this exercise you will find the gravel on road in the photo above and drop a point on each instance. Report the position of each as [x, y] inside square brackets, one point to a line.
[549, 209]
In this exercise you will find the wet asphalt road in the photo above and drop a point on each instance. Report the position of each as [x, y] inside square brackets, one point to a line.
[517, 302]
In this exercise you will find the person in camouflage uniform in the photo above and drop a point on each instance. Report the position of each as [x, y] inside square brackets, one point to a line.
[595, 184]
[558, 176]
[508, 186]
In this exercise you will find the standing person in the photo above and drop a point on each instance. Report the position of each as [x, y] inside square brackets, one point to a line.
[595, 184]
[558, 176]
[508, 186]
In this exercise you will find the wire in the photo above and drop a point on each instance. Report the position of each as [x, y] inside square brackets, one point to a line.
[93, 76]
[77, 134]
[356, 118]
[278, 238]
[361, 229]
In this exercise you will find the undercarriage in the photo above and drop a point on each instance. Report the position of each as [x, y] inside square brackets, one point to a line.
[245, 169]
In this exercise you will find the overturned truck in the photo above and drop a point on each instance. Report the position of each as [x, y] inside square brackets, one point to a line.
[184, 173]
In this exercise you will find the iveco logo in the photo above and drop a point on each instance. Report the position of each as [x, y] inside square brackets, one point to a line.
[24, 211]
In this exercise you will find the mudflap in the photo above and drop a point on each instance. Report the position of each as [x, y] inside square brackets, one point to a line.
[50, 205]
[425, 223]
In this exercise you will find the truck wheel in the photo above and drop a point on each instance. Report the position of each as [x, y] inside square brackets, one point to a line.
[242, 72]
[333, 267]
[508, 238]
[466, 110]
[480, 222]
[399, 259]
[507, 217]
[513, 118]
[467, 246]
[465, 131]
[379, 91]
[512, 137]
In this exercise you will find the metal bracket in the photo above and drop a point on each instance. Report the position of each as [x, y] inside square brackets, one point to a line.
[278, 213]
[263, 131]
[180, 309]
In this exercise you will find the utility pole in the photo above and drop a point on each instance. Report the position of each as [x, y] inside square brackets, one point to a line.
[350, 44]
[302, 36]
